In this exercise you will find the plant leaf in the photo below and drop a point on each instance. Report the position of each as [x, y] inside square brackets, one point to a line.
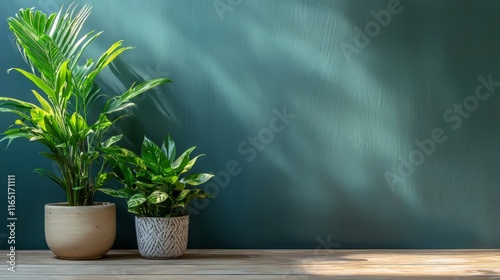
[168, 148]
[52, 177]
[122, 102]
[78, 126]
[136, 200]
[115, 193]
[103, 178]
[182, 160]
[153, 156]
[45, 105]
[196, 179]
[38, 82]
[112, 140]
[190, 164]
[157, 197]
[183, 195]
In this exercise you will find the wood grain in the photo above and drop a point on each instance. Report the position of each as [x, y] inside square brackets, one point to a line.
[266, 264]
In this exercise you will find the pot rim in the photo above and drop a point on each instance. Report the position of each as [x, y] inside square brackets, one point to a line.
[65, 204]
[161, 218]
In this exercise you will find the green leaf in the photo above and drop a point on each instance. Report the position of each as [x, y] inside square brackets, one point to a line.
[52, 177]
[142, 87]
[164, 180]
[78, 125]
[38, 118]
[79, 48]
[153, 156]
[145, 187]
[112, 140]
[179, 186]
[136, 200]
[106, 58]
[115, 193]
[38, 82]
[15, 133]
[182, 160]
[54, 130]
[183, 195]
[64, 84]
[168, 148]
[33, 42]
[196, 179]
[157, 197]
[44, 103]
[17, 104]
[14, 111]
[181, 205]
[124, 173]
[128, 191]
[170, 179]
[135, 211]
[102, 123]
[200, 194]
[115, 155]
[91, 156]
[50, 156]
[122, 102]
[103, 178]
[190, 164]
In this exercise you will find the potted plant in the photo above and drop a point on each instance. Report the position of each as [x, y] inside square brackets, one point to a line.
[157, 195]
[67, 122]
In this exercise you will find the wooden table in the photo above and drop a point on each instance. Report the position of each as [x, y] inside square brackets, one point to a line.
[265, 264]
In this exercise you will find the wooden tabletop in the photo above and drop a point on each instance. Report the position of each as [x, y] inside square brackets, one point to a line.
[265, 264]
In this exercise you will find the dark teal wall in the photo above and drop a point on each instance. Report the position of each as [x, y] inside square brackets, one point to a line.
[358, 105]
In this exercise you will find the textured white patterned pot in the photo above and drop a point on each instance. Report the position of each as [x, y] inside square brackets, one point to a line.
[80, 232]
[162, 238]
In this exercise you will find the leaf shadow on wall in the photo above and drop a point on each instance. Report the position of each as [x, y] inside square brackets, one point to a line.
[429, 58]
[150, 107]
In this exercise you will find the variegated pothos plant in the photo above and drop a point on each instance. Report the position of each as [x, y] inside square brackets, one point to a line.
[152, 183]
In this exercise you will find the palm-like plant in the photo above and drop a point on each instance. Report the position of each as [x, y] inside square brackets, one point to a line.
[64, 120]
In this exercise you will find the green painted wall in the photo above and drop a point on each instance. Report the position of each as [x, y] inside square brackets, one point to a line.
[390, 139]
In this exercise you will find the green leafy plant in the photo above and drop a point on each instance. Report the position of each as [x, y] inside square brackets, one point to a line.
[153, 186]
[65, 119]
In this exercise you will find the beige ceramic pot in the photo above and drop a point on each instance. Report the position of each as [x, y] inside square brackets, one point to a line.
[80, 232]
[162, 238]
